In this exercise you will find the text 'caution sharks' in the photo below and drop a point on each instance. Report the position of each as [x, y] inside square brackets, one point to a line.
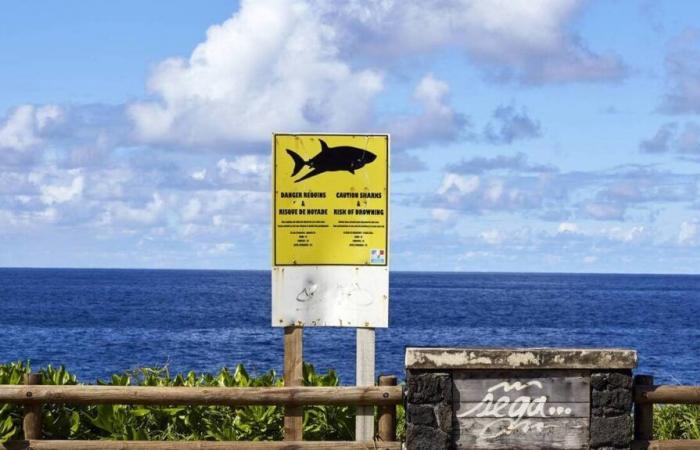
[344, 158]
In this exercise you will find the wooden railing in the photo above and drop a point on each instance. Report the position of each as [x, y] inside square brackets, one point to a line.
[646, 394]
[32, 395]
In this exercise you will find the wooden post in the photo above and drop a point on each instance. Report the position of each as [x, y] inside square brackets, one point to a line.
[293, 376]
[32, 412]
[387, 414]
[643, 412]
[364, 376]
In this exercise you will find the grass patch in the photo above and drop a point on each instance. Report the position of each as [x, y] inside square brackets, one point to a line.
[676, 421]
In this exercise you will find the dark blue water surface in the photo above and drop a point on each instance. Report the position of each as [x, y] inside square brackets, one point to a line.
[97, 322]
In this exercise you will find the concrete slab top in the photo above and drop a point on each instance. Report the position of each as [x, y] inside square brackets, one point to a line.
[519, 358]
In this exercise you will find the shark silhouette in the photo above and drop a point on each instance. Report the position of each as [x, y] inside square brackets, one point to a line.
[332, 160]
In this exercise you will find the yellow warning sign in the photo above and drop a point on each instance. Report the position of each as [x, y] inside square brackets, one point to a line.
[331, 199]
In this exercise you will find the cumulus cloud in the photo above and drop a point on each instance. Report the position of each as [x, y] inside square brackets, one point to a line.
[52, 194]
[508, 125]
[301, 73]
[274, 65]
[683, 74]
[527, 40]
[437, 121]
[23, 131]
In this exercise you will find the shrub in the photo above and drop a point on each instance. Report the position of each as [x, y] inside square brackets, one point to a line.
[135, 422]
[676, 421]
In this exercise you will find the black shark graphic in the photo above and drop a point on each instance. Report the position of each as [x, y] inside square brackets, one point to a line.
[332, 160]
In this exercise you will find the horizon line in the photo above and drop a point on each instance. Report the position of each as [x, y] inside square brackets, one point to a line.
[483, 272]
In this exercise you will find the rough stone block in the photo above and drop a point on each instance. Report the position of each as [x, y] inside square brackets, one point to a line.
[617, 400]
[420, 437]
[611, 431]
[443, 414]
[620, 380]
[599, 381]
[421, 415]
[429, 388]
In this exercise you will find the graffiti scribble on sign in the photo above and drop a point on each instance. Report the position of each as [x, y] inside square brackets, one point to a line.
[522, 413]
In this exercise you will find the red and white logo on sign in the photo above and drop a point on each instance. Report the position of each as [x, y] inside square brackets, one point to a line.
[377, 256]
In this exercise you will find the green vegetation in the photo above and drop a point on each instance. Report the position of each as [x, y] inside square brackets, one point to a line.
[133, 422]
[255, 423]
[677, 422]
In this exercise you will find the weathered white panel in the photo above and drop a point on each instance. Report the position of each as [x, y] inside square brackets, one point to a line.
[341, 296]
[557, 386]
[521, 410]
[525, 434]
[552, 409]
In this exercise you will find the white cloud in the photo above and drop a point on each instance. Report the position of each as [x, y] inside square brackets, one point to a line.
[492, 237]
[462, 184]
[199, 175]
[292, 65]
[568, 227]
[52, 194]
[245, 165]
[473, 193]
[689, 233]
[441, 214]
[632, 234]
[272, 66]
[192, 210]
[437, 121]
[22, 129]
[526, 39]
[124, 214]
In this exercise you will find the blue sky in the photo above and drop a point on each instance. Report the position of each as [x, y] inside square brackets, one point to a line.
[545, 135]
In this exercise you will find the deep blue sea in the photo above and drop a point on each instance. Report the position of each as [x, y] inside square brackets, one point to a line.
[97, 322]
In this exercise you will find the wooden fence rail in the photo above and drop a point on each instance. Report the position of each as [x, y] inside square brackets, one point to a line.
[146, 395]
[646, 394]
[32, 395]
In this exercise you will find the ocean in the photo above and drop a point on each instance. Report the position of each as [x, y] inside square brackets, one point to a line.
[98, 322]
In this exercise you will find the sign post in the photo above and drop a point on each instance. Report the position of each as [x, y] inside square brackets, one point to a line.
[330, 251]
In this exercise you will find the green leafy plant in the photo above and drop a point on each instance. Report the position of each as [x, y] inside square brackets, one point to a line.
[140, 422]
[677, 422]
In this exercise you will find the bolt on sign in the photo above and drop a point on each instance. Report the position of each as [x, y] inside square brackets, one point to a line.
[330, 230]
